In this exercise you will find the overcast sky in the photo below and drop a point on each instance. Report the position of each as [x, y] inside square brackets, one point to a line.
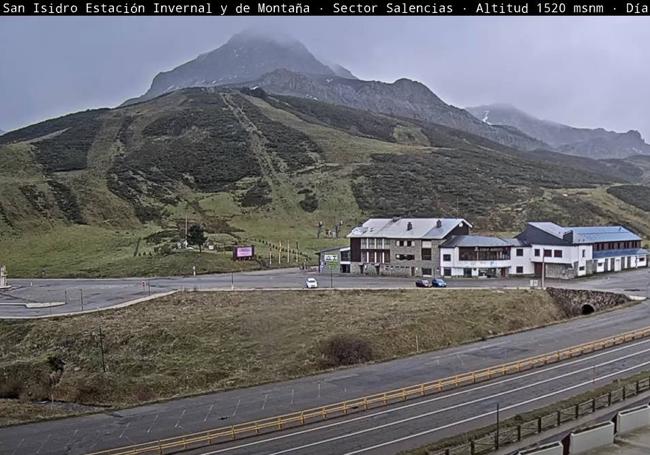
[591, 71]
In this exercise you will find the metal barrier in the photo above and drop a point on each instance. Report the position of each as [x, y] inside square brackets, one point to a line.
[344, 408]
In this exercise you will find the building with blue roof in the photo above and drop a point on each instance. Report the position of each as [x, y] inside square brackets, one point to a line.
[569, 252]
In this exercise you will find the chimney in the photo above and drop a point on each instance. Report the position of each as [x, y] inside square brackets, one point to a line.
[409, 226]
[439, 224]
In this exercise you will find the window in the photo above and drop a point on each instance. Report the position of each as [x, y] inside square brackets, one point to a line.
[446, 257]
[557, 253]
[520, 252]
[520, 269]
[467, 273]
[446, 272]
[581, 268]
[426, 271]
[405, 257]
[548, 253]
[584, 252]
[537, 252]
[426, 254]
[404, 243]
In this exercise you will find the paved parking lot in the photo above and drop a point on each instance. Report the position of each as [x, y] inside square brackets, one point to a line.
[74, 295]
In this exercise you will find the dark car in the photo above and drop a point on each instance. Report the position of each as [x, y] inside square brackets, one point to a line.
[422, 284]
[438, 283]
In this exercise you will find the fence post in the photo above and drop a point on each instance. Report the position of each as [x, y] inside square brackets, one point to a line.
[518, 433]
[559, 417]
[472, 449]
[577, 412]
[539, 424]
[593, 405]
[609, 399]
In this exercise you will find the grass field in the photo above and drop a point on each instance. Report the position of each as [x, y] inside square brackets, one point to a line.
[198, 342]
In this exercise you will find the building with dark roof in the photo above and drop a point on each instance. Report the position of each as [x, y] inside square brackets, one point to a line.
[402, 246]
[569, 252]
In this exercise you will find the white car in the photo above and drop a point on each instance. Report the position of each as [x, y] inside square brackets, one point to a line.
[311, 283]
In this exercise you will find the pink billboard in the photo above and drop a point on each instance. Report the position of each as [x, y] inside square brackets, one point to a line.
[243, 252]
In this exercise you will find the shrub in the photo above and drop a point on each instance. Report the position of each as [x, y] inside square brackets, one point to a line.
[345, 349]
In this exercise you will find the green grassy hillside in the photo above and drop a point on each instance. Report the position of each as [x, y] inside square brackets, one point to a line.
[96, 192]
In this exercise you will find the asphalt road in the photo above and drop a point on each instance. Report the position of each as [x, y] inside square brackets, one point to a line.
[105, 293]
[145, 423]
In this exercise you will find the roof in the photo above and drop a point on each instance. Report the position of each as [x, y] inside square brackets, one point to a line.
[624, 252]
[550, 228]
[338, 249]
[577, 235]
[479, 241]
[398, 228]
[595, 234]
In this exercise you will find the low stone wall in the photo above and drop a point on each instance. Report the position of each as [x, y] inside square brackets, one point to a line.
[577, 301]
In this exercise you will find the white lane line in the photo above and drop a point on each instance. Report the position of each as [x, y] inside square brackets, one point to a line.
[209, 412]
[234, 413]
[431, 400]
[18, 446]
[44, 442]
[178, 422]
[448, 408]
[318, 390]
[152, 424]
[124, 430]
[506, 408]
[293, 395]
[266, 398]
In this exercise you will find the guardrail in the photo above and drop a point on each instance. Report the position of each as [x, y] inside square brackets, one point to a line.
[343, 408]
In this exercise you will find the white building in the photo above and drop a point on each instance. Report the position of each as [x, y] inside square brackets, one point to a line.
[480, 256]
[562, 252]
[569, 252]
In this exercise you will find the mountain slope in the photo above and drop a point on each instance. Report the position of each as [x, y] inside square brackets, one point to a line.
[239, 160]
[593, 143]
[402, 98]
[284, 66]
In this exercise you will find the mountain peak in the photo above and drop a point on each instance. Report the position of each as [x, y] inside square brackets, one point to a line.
[245, 57]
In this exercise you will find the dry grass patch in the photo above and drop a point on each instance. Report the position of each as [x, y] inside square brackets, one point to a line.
[198, 342]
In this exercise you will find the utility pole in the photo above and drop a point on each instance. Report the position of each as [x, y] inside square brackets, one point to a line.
[543, 268]
[101, 348]
[279, 252]
[81, 293]
[232, 281]
[496, 436]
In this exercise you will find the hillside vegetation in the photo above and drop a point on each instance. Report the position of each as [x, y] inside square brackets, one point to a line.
[250, 166]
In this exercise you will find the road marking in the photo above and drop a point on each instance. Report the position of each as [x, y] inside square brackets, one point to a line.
[152, 424]
[234, 413]
[266, 398]
[506, 408]
[293, 395]
[318, 390]
[18, 446]
[438, 398]
[44, 442]
[125, 428]
[178, 422]
[450, 408]
[209, 411]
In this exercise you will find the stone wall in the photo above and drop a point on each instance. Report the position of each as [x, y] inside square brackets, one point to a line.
[576, 301]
